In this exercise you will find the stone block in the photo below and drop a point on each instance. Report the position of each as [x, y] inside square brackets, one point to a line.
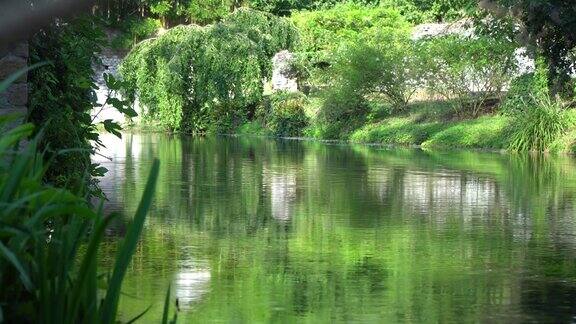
[10, 64]
[17, 94]
[21, 50]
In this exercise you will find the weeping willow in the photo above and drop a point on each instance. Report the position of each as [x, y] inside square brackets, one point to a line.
[206, 79]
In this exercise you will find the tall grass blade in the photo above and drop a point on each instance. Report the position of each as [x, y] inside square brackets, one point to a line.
[16, 263]
[88, 262]
[139, 315]
[166, 307]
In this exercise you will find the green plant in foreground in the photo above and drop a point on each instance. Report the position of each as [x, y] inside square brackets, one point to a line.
[540, 126]
[48, 242]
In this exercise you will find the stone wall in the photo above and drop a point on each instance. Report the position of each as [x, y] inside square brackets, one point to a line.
[15, 98]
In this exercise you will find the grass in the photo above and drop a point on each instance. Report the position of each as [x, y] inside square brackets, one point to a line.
[541, 127]
[48, 242]
[254, 128]
[433, 125]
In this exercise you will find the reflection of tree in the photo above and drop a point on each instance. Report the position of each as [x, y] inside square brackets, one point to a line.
[290, 231]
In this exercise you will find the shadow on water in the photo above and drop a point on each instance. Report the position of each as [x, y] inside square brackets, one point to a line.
[252, 229]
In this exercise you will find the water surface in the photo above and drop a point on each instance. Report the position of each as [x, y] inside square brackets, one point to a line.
[253, 230]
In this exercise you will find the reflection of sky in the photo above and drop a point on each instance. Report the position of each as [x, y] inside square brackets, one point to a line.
[282, 194]
[439, 192]
[190, 286]
[192, 282]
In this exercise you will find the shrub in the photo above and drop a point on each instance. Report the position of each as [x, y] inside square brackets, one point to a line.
[386, 64]
[322, 32]
[206, 79]
[468, 71]
[284, 114]
[341, 112]
[134, 31]
[539, 126]
[525, 90]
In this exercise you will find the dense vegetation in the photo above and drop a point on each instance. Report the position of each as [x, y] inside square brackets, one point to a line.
[363, 72]
[206, 79]
[50, 228]
[363, 77]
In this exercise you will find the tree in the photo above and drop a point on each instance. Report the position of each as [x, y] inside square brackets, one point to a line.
[550, 27]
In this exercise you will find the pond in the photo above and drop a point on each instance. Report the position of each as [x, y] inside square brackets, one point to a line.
[260, 230]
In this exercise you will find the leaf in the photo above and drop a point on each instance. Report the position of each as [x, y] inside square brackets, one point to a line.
[139, 315]
[99, 171]
[166, 307]
[16, 263]
[112, 127]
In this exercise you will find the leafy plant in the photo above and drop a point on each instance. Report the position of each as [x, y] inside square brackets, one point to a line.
[62, 98]
[539, 126]
[284, 114]
[324, 31]
[526, 90]
[134, 31]
[47, 271]
[468, 70]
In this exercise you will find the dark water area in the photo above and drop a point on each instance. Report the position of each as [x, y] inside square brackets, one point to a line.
[250, 230]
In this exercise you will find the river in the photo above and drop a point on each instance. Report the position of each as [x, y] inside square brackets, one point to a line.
[250, 230]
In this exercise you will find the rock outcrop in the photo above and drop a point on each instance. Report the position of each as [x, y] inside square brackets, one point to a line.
[283, 73]
[15, 98]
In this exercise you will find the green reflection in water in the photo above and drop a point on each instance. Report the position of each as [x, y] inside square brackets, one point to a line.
[257, 230]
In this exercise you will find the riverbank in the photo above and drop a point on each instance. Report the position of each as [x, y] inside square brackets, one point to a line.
[435, 126]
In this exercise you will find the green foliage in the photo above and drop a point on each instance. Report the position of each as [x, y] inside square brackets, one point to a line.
[383, 65]
[134, 31]
[548, 25]
[469, 71]
[62, 98]
[379, 65]
[342, 111]
[525, 90]
[48, 242]
[283, 114]
[419, 11]
[206, 79]
[169, 12]
[542, 123]
[207, 11]
[323, 32]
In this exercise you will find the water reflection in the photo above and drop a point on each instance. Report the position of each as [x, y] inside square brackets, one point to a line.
[255, 230]
[192, 282]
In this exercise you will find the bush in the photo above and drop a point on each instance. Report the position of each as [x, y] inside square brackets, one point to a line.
[469, 71]
[342, 111]
[539, 126]
[526, 90]
[323, 32]
[383, 65]
[207, 79]
[134, 31]
[62, 98]
[284, 114]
